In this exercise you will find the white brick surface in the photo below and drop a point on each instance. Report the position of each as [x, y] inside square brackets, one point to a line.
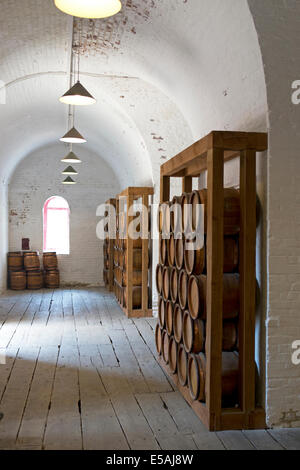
[278, 26]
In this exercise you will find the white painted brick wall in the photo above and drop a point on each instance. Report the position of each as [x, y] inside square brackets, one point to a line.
[278, 25]
[36, 179]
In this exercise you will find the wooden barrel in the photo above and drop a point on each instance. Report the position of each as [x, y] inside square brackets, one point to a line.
[31, 261]
[35, 280]
[196, 378]
[166, 283]
[50, 261]
[183, 289]
[15, 261]
[230, 335]
[194, 260]
[182, 365]
[136, 297]
[159, 278]
[176, 215]
[171, 250]
[197, 296]
[186, 212]
[164, 218]
[165, 347]
[173, 349]
[137, 278]
[17, 280]
[169, 317]
[230, 376]
[163, 252]
[179, 253]
[52, 279]
[193, 332]
[161, 312]
[174, 284]
[231, 254]
[158, 339]
[231, 209]
[177, 323]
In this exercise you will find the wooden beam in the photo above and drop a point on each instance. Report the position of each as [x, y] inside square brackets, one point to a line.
[247, 280]
[187, 184]
[195, 155]
[129, 256]
[215, 254]
[137, 192]
[164, 189]
[240, 141]
[145, 253]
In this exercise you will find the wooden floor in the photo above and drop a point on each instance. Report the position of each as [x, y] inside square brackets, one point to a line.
[80, 375]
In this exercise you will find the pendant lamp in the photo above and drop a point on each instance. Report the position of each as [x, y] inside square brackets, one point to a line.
[69, 171]
[71, 158]
[73, 137]
[89, 8]
[69, 180]
[78, 96]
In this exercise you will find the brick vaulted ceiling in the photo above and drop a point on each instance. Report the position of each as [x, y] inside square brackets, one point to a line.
[159, 70]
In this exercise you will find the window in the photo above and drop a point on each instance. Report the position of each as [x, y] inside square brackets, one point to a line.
[56, 214]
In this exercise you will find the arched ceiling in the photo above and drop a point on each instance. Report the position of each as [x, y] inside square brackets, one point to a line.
[164, 73]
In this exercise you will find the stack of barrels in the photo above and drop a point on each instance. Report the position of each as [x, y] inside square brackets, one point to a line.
[181, 278]
[34, 273]
[24, 270]
[16, 274]
[51, 272]
[121, 269]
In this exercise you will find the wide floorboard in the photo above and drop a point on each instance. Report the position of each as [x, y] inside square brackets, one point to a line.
[75, 373]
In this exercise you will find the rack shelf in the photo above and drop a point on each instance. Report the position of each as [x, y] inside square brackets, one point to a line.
[138, 299]
[211, 153]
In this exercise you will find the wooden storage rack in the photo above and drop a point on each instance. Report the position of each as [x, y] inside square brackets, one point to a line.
[130, 195]
[108, 252]
[210, 153]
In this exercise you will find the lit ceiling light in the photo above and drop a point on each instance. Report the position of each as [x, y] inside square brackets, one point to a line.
[68, 181]
[71, 158]
[73, 137]
[78, 96]
[69, 171]
[89, 8]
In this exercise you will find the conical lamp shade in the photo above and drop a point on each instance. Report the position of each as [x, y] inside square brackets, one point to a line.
[70, 171]
[73, 137]
[69, 181]
[78, 96]
[71, 158]
[89, 8]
